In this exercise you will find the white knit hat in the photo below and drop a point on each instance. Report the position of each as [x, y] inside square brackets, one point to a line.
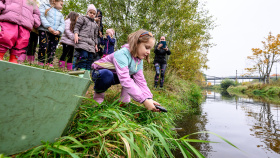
[91, 7]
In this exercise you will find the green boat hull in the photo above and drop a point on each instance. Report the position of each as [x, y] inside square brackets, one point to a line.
[36, 105]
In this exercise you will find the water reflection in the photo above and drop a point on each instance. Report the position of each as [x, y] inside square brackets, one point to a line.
[265, 126]
[226, 95]
[251, 125]
[191, 124]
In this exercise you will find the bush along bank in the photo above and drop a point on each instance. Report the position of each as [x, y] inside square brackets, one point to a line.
[256, 89]
[258, 92]
[108, 130]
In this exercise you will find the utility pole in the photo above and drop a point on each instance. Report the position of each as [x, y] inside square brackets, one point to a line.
[242, 76]
[214, 80]
[236, 77]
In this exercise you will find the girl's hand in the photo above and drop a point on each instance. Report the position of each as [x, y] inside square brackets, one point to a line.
[76, 39]
[96, 19]
[96, 48]
[100, 34]
[166, 49]
[106, 35]
[149, 105]
[56, 32]
[51, 30]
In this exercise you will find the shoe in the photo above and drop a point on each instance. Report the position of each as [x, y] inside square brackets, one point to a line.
[123, 104]
[21, 58]
[50, 65]
[156, 84]
[2, 56]
[125, 97]
[69, 66]
[30, 59]
[62, 64]
[99, 97]
[13, 59]
[40, 63]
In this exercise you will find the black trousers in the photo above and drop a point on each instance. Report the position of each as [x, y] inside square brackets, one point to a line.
[33, 41]
[68, 51]
[47, 45]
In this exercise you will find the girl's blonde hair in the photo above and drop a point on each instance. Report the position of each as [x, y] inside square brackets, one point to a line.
[135, 38]
[52, 5]
[32, 2]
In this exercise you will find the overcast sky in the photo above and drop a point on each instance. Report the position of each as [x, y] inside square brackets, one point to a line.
[242, 25]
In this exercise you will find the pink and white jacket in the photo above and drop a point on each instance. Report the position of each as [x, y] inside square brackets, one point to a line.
[68, 35]
[130, 72]
[21, 12]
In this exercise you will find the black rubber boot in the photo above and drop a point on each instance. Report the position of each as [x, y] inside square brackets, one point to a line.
[155, 85]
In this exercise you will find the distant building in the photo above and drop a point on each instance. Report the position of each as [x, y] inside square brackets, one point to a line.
[274, 75]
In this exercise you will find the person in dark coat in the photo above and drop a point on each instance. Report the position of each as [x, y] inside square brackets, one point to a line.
[161, 50]
[98, 20]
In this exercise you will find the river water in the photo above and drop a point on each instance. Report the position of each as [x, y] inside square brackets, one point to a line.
[253, 126]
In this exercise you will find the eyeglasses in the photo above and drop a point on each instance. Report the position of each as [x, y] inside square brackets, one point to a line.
[146, 33]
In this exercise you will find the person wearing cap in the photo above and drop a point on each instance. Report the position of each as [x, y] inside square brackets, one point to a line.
[108, 42]
[86, 32]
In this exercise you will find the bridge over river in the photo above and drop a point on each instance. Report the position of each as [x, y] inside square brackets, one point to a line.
[232, 77]
[215, 78]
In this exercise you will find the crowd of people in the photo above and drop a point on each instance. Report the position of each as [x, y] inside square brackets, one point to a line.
[25, 22]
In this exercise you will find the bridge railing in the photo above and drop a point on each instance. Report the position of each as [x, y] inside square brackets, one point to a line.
[236, 77]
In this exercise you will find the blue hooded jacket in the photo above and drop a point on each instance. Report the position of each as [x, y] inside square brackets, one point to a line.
[54, 19]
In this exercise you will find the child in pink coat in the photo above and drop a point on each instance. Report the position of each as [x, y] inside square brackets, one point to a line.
[67, 40]
[17, 19]
[125, 67]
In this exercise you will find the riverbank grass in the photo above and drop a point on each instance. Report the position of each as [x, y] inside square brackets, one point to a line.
[257, 89]
[108, 130]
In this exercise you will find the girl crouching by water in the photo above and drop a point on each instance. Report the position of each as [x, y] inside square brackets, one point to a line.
[125, 67]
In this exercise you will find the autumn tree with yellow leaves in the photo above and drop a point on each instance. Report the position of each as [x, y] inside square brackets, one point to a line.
[185, 24]
[264, 59]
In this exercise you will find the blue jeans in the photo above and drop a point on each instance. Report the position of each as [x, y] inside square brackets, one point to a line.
[74, 63]
[85, 59]
[104, 79]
